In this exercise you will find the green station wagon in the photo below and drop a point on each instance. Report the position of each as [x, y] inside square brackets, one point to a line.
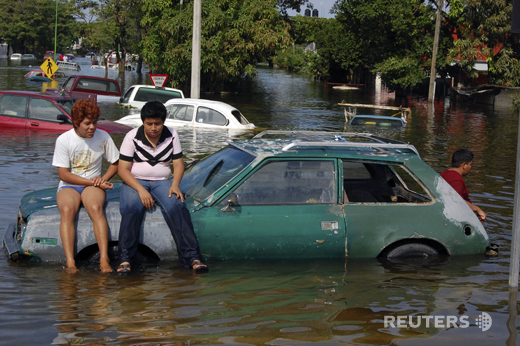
[287, 195]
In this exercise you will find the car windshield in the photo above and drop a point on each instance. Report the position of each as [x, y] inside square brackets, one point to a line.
[66, 104]
[207, 176]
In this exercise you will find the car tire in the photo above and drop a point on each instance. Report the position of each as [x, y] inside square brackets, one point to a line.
[412, 250]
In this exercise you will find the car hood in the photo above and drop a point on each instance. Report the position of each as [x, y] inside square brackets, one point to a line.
[112, 126]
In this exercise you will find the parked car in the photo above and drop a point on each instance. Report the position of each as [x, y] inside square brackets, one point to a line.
[16, 56]
[137, 95]
[43, 112]
[90, 87]
[398, 119]
[28, 57]
[287, 195]
[39, 76]
[49, 54]
[197, 113]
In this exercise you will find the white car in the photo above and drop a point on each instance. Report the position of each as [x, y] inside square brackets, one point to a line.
[197, 113]
[16, 56]
[137, 95]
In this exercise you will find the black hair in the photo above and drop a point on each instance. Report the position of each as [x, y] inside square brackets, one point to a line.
[153, 109]
[460, 157]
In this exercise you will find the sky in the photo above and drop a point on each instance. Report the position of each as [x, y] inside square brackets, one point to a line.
[323, 7]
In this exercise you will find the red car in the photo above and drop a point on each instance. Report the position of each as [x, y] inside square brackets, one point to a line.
[43, 112]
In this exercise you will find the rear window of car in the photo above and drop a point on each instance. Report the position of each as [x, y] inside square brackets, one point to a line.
[97, 85]
[13, 105]
[149, 94]
[376, 122]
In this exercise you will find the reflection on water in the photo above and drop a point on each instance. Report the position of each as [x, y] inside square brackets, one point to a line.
[263, 302]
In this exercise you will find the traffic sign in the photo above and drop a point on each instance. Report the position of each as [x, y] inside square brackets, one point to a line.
[159, 80]
[49, 67]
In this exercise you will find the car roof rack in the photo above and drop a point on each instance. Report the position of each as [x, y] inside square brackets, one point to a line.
[339, 139]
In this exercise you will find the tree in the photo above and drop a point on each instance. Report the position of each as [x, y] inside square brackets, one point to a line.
[483, 29]
[389, 34]
[28, 25]
[235, 35]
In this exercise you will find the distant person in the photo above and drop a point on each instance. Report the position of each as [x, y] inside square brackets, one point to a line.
[148, 154]
[461, 162]
[60, 57]
[65, 58]
[78, 155]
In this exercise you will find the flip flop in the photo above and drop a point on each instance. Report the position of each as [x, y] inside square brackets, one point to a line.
[124, 268]
[199, 267]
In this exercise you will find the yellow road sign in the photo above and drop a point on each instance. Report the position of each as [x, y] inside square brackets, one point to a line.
[49, 67]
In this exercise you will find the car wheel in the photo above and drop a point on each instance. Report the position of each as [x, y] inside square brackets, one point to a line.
[112, 254]
[412, 250]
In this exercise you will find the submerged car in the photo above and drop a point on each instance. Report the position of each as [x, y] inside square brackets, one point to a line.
[354, 119]
[137, 95]
[293, 196]
[197, 113]
[47, 111]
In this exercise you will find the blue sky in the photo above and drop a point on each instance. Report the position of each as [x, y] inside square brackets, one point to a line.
[323, 7]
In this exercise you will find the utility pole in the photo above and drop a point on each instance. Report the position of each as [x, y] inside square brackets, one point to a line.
[431, 89]
[195, 55]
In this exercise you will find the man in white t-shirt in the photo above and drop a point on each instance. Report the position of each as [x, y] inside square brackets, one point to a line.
[144, 166]
[78, 155]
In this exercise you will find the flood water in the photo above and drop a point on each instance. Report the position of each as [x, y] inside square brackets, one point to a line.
[272, 302]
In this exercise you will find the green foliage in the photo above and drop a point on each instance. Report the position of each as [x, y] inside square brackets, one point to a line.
[235, 35]
[28, 25]
[400, 73]
[483, 28]
[292, 58]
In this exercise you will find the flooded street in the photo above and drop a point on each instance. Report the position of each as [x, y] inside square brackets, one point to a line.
[311, 302]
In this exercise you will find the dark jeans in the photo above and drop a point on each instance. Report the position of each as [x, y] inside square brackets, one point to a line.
[175, 213]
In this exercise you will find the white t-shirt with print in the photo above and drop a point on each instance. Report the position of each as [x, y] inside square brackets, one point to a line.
[84, 156]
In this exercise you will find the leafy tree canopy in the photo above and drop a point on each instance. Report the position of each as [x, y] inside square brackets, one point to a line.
[235, 35]
[28, 25]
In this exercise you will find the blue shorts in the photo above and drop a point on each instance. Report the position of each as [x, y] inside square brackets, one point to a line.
[77, 188]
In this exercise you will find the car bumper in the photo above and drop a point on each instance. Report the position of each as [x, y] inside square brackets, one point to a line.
[9, 242]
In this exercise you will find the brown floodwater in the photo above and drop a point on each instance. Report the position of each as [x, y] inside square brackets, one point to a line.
[311, 302]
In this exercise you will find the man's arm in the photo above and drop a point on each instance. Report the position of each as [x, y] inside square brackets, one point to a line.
[124, 172]
[178, 173]
[480, 213]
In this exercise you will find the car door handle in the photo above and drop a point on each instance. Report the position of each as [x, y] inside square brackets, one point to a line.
[34, 124]
[329, 225]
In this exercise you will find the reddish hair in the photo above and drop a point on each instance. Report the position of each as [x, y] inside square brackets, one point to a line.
[84, 109]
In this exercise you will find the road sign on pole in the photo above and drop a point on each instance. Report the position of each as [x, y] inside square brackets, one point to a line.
[159, 79]
[49, 67]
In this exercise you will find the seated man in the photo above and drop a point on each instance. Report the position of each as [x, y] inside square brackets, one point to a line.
[460, 166]
[145, 156]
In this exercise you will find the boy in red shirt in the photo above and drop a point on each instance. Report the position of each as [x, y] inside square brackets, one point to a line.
[460, 166]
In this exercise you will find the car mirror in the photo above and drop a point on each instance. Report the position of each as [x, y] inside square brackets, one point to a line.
[232, 201]
[63, 117]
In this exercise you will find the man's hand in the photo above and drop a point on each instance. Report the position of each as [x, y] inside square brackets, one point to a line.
[174, 190]
[146, 198]
[481, 215]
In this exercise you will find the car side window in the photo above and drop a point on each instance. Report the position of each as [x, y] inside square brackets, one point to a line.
[40, 109]
[290, 182]
[13, 105]
[180, 112]
[210, 116]
[365, 182]
[127, 95]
